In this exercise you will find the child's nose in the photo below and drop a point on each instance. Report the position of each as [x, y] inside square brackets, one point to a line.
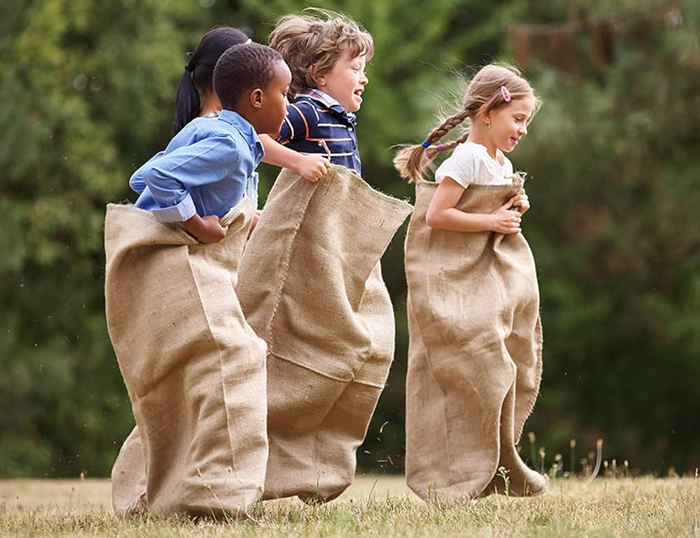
[363, 79]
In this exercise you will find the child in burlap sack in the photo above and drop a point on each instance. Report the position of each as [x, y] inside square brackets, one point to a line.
[193, 367]
[473, 303]
[322, 307]
[197, 100]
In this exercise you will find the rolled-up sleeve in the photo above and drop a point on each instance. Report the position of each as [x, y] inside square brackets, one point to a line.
[181, 212]
[170, 177]
[136, 182]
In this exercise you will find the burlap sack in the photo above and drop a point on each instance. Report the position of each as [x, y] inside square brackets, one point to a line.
[475, 353]
[193, 368]
[311, 286]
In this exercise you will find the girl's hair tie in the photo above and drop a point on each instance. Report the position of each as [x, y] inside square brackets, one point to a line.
[440, 148]
[506, 94]
[425, 144]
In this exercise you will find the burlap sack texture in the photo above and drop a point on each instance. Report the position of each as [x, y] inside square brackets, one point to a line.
[193, 368]
[475, 353]
[311, 287]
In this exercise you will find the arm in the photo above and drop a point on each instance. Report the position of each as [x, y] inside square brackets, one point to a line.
[136, 182]
[443, 214]
[310, 167]
[171, 176]
[205, 229]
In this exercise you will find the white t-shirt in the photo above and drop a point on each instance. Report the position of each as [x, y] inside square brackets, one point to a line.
[470, 163]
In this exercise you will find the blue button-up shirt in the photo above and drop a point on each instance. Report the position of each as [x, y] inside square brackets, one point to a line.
[206, 169]
[315, 119]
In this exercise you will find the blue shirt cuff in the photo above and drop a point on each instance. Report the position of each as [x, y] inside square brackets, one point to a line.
[181, 212]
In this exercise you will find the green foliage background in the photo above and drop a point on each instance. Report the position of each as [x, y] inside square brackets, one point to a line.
[88, 91]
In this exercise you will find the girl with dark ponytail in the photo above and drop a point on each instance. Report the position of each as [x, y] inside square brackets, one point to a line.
[195, 95]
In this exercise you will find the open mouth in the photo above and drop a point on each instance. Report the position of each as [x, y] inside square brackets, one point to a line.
[358, 92]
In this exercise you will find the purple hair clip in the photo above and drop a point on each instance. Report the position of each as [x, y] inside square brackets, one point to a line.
[440, 148]
[506, 94]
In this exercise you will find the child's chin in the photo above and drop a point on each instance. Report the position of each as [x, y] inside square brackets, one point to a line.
[355, 106]
[274, 134]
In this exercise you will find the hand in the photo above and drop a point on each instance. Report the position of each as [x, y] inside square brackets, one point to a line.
[254, 223]
[521, 202]
[505, 220]
[205, 229]
[312, 167]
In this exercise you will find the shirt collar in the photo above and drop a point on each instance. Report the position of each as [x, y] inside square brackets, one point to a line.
[247, 131]
[327, 100]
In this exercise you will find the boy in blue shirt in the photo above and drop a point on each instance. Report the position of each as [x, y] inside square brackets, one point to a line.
[208, 166]
[193, 367]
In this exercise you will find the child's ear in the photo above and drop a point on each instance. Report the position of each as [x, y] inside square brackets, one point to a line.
[256, 98]
[314, 75]
[484, 116]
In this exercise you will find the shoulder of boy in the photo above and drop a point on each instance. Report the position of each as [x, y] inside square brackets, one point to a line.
[306, 106]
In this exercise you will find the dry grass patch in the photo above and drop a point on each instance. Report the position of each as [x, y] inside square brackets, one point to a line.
[374, 506]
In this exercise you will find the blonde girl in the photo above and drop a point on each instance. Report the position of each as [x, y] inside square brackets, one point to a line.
[498, 106]
[473, 300]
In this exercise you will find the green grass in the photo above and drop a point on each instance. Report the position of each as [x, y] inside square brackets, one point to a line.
[375, 506]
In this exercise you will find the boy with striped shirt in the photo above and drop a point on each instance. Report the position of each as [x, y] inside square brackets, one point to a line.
[327, 57]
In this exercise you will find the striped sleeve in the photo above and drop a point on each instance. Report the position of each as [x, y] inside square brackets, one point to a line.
[296, 125]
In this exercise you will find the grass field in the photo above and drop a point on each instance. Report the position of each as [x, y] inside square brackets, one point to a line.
[375, 506]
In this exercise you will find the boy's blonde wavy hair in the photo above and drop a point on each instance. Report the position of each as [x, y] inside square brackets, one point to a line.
[311, 44]
[482, 96]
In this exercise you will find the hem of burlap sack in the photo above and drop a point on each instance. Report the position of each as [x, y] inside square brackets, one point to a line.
[174, 226]
[472, 186]
[533, 399]
[232, 213]
[143, 213]
[490, 489]
[358, 178]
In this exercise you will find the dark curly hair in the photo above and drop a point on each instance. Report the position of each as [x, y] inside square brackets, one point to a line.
[243, 67]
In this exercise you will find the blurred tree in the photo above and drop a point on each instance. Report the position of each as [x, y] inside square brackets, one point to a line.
[614, 158]
[87, 89]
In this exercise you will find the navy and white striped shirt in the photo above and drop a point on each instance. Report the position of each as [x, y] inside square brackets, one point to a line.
[316, 118]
